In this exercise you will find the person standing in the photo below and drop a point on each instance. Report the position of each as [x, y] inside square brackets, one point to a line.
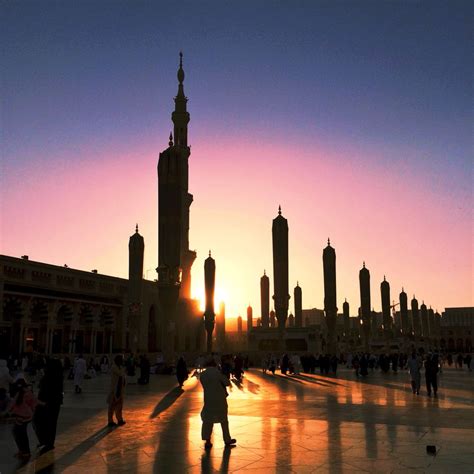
[214, 384]
[80, 369]
[181, 371]
[116, 392]
[5, 378]
[431, 374]
[22, 408]
[414, 367]
[50, 399]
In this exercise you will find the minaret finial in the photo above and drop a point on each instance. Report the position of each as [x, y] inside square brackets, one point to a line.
[170, 143]
[209, 253]
[329, 242]
[264, 272]
[279, 210]
[180, 70]
[384, 278]
[363, 264]
[136, 228]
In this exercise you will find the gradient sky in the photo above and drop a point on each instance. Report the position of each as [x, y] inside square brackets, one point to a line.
[356, 117]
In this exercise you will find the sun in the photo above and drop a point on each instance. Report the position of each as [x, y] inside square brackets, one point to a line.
[220, 295]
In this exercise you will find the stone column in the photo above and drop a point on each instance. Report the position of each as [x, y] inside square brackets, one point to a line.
[330, 301]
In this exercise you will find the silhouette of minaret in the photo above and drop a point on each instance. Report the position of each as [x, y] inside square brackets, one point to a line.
[365, 308]
[424, 320]
[173, 164]
[265, 299]
[209, 284]
[387, 318]
[136, 249]
[249, 318]
[298, 296]
[346, 315]
[280, 271]
[330, 301]
[404, 313]
[415, 316]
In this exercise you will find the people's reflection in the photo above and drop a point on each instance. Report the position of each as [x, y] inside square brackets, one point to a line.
[370, 440]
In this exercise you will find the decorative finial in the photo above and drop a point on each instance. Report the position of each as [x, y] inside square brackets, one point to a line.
[345, 300]
[136, 229]
[180, 70]
[171, 139]
[209, 253]
[384, 278]
[297, 283]
[264, 272]
[403, 291]
[363, 264]
[329, 242]
[279, 210]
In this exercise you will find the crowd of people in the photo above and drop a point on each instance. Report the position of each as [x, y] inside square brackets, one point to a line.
[32, 387]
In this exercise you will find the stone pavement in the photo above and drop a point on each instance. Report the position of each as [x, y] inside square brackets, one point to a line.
[306, 423]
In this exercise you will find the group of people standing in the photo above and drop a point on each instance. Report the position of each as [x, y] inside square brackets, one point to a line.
[42, 410]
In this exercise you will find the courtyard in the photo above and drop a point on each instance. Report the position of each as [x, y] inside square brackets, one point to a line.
[305, 423]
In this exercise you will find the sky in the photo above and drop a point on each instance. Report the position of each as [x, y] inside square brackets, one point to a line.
[355, 117]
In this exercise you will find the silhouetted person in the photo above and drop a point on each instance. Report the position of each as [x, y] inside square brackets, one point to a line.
[285, 364]
[50, 399]
[116, 392]
[468, 362]
[22, 408]
[5, 378]
[414, 367]
[334, 364]
[238, 367]
[459, 361]
[80, 369]
[144, 370]
[431, 374]
[214, 384]
[181, 371]
[356, 365]
[364, 364]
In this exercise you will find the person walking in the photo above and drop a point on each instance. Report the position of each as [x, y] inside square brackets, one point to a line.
[414, 367]
[116, 392]
[214, 384]
[181, 371]
[50, 399]
[80, 369]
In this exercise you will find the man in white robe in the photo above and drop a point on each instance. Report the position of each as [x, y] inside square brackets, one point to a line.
[80, 369]
[214, 384]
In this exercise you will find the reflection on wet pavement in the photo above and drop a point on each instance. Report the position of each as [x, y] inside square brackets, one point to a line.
[304, 423]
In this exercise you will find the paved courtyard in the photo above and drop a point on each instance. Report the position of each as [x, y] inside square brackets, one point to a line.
[306, 423]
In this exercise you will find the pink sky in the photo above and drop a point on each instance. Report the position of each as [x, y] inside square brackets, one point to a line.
[81, 206]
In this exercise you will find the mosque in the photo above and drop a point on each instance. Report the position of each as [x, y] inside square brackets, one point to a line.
[60, 310]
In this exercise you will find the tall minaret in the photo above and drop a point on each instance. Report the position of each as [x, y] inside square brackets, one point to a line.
[330, 300]
[298, 296]
[177, 157]
[280, 271]
[265, 299]
[387, 318]
[364, 283]
[136, 248]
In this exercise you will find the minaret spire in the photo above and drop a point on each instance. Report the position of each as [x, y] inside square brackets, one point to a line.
[180, 116]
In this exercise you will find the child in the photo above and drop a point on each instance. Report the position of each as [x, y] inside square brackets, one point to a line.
[22, 408]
